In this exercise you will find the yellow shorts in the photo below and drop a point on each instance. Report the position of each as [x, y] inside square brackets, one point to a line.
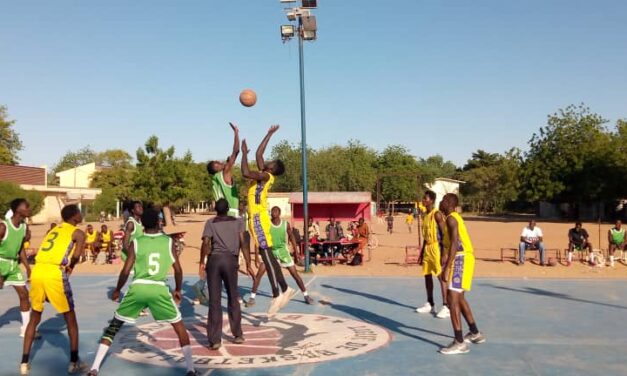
[432, 260]
[462, 272]
[259, 225]
[50, 283]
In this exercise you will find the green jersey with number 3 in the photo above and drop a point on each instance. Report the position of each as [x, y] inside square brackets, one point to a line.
[153, 257]
[11, 244]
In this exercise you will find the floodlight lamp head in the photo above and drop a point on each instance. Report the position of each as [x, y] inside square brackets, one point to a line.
[310, 4]
[288, 1]
[287, 32]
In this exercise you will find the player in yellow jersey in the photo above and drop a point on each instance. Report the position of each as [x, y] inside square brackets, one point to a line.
[105, 237]
[59, 253]
[458, 273]
[259, 217]
[91, 239]
[433, 255]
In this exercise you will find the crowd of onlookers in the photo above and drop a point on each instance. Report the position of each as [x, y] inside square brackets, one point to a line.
[338, 243]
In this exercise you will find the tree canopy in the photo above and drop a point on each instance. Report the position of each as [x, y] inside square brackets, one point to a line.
[10, 143]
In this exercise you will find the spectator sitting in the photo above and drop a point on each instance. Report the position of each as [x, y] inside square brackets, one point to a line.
[531, 239]
[91, 238]
[105, 240]
[617, 240]
[577, 240]
[334, 233]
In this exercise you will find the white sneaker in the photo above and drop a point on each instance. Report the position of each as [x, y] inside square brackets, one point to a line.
[427, 308]
[275, 306]
[444, 313]
[24, 369]
[455, 348]
[286, 297]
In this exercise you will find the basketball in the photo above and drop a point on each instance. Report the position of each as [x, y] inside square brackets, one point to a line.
[552, 262]
[248, 98]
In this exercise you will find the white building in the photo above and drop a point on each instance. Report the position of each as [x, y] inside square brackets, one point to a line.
[442, 186]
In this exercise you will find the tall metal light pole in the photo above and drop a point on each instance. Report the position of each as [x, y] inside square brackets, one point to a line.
[306, 30]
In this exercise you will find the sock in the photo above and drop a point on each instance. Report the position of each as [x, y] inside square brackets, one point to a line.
[459, 337]
[473, 328]
[25, 319]
[570, 256]
[305, 293]
[25, 358]
[73, 356]
[100, 355]
[189, 361]
[612, 259]
[431, 302]
[253, 295]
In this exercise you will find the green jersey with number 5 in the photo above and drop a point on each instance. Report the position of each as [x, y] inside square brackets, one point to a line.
[153, 257]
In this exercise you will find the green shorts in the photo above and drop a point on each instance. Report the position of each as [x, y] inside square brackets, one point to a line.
[11, 273]
[152, 295]
[283, 257]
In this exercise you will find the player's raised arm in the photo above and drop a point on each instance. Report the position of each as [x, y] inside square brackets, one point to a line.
[261, 163]
[228, 168]
[246, 172]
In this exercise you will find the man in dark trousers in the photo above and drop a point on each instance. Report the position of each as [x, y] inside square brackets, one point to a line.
[221, 243]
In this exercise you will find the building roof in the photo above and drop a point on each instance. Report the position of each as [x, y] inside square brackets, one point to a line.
[332, 197]
[450, 180]
[23, 174]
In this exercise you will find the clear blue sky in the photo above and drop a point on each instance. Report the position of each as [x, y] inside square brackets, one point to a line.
[479, 74]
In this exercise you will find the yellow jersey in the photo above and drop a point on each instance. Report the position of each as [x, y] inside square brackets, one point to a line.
[57, 246]
[106, 237]
[465, 245]
[91, 238]
[258, 196]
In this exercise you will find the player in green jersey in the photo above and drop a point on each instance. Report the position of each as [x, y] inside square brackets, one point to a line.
[13, 234]
[150, 256]
[222, 172]
[133, 227]
[282, 234]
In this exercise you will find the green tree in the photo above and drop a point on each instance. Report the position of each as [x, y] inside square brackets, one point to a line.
[10, 191]
[492, 181]
[568, 158]
[113, 158]
[10, 144]
[399, 174]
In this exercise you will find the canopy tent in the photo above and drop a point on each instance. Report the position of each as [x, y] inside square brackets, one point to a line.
[343, 206]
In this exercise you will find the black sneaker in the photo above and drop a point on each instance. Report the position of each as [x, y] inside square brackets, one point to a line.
[309, 300]
[215, 346]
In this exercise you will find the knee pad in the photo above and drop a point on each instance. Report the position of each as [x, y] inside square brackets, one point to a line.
[113, 329]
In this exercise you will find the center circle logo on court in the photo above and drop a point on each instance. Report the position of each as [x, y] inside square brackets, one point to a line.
[286, 339]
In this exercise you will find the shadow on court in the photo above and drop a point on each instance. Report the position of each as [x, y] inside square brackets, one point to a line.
[378, 298]
[12, 314]
[556, 295]
[392, 325]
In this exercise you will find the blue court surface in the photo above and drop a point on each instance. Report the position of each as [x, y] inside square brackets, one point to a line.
[358, 326]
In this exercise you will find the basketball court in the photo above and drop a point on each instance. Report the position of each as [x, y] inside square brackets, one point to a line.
[358, 326]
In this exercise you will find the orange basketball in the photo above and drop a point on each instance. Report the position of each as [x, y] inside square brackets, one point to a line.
[248, 98]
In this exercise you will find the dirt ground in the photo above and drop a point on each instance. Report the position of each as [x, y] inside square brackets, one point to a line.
[488, 236]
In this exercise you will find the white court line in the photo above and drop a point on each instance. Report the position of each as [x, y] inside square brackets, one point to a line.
[306, 287]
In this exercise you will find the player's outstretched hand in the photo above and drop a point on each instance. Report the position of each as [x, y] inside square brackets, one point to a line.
[273, 129]
[177, 297]
[245, 149]
[115, 295]
[234, 127]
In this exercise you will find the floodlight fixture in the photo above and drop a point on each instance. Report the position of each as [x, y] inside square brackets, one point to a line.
[309, 35]
[309, 23]
[288, 1]
[287, 31]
